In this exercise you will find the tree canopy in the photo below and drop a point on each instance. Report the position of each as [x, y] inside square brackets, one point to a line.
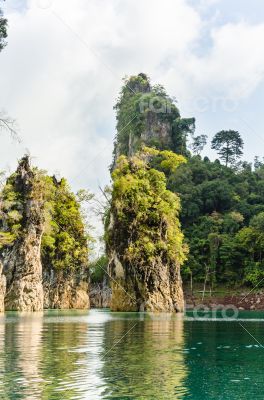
[3, 30]
[198, 143]
[229, 146]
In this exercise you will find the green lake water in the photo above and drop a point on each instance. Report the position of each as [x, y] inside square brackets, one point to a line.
[101, 355]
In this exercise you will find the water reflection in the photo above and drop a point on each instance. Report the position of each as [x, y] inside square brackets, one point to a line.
[225, 361]
[41, 357]
[147, 362]
[100, 355]
[91, 355]
[20, 356]
[62, 357]
[28, 333]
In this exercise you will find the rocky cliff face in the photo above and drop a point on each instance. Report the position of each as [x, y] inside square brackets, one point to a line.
[143, 236]
[44, 255]
[2, 288]
[100, 295]
[147, 115]
[66, 289]
[144, 240]
[143, 286]
[22, 262]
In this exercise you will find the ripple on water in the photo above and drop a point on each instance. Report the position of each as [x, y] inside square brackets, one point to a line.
[102, 355]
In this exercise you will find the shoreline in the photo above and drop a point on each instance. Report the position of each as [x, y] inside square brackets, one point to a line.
[244, 299]
[240, 298]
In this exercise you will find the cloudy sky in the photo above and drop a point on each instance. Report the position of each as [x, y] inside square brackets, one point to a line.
[61, 73]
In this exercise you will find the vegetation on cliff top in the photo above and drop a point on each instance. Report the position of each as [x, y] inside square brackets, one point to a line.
[65, 241]
[142, 224]
[142, 107]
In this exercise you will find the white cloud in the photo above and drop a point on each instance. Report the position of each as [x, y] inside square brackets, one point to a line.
[62, 69]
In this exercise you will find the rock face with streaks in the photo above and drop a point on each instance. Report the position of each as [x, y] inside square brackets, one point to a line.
[100, 294]
[141, 286]
[22, 262]
[44, 254]
[144, 240]
[2, 288]
[66, 289]
[147, 115]
[143, 237]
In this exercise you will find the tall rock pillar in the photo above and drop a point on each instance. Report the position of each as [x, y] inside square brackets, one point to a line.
[22, 262]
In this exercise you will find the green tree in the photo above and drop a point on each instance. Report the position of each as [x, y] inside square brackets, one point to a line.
[6, 123]
[229, 146]
[98, 269]
[65, 242]
[198, 143]
[222, 206]
[3, 30]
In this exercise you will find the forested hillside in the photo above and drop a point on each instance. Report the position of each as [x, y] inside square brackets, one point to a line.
[222, 200]
[223, 219]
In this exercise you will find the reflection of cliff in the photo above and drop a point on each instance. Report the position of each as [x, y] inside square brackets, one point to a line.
[3, 392]
[62, 358]
[42, 358]
[29, 342]
[22, 340]
[148, 361]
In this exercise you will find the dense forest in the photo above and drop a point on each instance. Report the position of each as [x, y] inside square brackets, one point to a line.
[222, 200]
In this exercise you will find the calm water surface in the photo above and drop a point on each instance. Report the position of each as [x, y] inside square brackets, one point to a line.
[102, 355]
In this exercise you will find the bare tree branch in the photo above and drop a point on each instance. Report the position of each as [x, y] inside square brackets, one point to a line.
[104, 193]
[8, 124]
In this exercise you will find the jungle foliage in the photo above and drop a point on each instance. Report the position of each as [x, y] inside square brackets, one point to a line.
[142, 224]
[222, 215]
[143, 108]
[65, 241]
[222, 202]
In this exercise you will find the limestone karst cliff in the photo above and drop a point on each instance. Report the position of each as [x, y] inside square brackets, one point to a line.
[66, 289]
[144, 239]
[43, 243]
[147, 115]
[65, 248]
[2, 288]
[100, 294]
[22, 261]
